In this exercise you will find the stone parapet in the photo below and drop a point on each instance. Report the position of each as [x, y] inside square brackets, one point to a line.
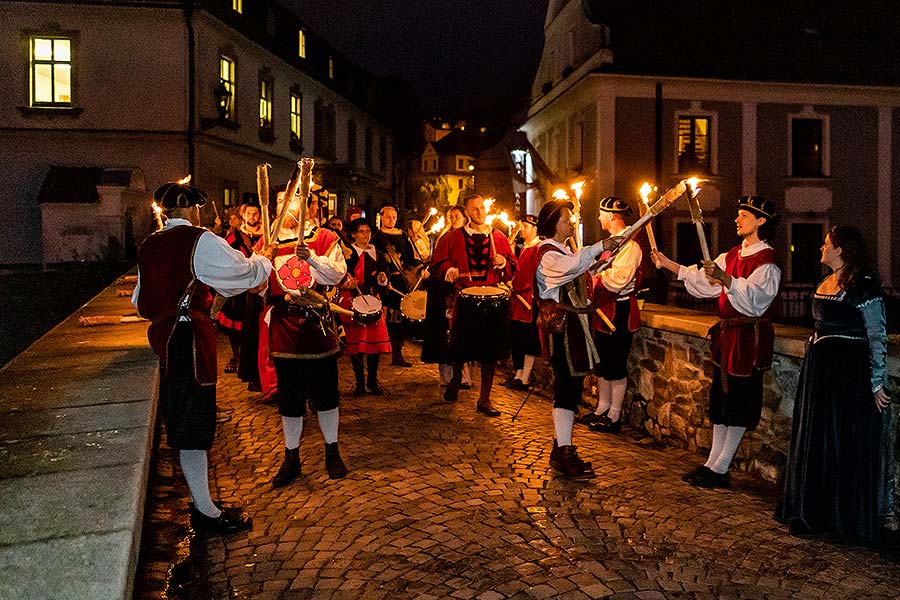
[669, 377]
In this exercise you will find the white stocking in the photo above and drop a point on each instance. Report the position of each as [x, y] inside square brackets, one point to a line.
[718, 442]
[526, 368]
[617, 397]
[732, 440]
[328, 423]
[193, 465]
[293, 427]
[563, 421]
[604, 396]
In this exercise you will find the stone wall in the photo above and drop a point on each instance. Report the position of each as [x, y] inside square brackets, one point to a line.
[669, 377]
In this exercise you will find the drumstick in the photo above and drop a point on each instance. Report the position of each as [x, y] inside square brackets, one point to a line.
[605, 319]
[523, 301]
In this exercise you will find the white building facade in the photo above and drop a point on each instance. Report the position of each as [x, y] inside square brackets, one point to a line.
[138, 86]
[827, 154]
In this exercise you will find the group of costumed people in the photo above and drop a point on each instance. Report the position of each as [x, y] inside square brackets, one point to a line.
[488, 298]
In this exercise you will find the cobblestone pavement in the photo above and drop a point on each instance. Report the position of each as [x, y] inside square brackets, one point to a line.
[442, 502]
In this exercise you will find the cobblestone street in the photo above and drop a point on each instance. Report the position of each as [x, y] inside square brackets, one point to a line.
[442, 502]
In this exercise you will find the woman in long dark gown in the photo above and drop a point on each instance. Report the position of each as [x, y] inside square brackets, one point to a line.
[838, 477]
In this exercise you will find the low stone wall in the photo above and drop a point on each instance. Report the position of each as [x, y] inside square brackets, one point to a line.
[669, 377]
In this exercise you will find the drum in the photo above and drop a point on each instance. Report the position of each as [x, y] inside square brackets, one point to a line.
[413, 305]
[366, 309]
[480, 329]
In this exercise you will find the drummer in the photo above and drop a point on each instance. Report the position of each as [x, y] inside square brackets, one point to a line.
[525, 343]
[475, 255]
[361, 291]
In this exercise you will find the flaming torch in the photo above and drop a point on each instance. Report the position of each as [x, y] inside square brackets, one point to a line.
[697, 215]
[157, 214]
[645, 206]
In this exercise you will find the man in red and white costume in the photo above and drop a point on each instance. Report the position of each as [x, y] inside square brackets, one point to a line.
[746, 280]
[303, 339]
[475, 255]
[178, 269]
[614, 295]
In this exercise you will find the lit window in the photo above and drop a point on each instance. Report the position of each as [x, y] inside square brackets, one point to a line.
[265, 104]
[237, 6]
[330, 67]
[806, 148]
[693, 144]
[301, 44]
[296, 117]
[226, 77]
[229, 195]
[51, 71]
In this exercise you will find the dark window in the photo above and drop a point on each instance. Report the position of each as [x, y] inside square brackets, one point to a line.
[687, 250]
[806, 242]
[368, 149]
[806, 147]
[324, 130]
[351, 143]
[693, 145]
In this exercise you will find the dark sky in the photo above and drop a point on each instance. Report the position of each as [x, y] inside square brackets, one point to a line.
[454, 55]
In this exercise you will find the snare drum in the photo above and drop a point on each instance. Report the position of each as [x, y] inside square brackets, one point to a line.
[480, 329]
[413, 305]
[366, 309]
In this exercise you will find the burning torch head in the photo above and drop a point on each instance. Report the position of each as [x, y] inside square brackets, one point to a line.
[179, 195]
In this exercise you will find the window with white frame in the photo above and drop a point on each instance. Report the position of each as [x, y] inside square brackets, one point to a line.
[51, 71]
[808, 135]
[296, 116]
[226, 78]
[265, 103]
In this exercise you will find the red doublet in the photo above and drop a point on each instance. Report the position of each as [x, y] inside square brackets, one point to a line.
[456, 249]
[744, 343]
[166, 266]
[523, 285]
[608, 301]
[294, 332]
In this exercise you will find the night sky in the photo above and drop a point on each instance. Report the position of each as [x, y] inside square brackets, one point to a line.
[454, 55]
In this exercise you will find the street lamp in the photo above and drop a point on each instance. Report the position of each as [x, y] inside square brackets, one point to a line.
[222, 96]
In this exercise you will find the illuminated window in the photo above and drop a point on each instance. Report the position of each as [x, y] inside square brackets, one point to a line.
[226, 77]
[237, 6]
[265, 104]
[296, 116]
[693, 144]
[51, 71]
[330, 67]
[301, 44]
[230, 194]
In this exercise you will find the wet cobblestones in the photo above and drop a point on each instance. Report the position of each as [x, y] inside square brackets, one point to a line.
[442, 502]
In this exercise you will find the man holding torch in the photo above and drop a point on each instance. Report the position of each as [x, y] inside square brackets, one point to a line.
[303, 340]
[615, 319]
[179, 268]
[746, 280]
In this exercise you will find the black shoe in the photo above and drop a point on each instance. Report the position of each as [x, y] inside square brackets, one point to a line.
[606, 425]
[359, 390]
[230, 521]
[508, 381]
[333, 463]
[691, 475]
[254, 386]
[518, 384]
[707, 478]
[451, 394]
[375, 388]
[397, 360]
[290, 468]
[486, 408]
[590, 418]
[465, 386]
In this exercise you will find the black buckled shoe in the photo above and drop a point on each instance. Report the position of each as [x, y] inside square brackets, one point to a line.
[230, 521]
[692, 474]
[290, 468]
[606, 425]
[570, 465]
[707, 478]
[375, 388]
[590, 418]
[333, 463]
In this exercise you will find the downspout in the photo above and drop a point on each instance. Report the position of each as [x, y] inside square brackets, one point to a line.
[189, 24]
[659, 134]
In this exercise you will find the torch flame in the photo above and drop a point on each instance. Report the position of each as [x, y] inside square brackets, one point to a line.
[156, 208]
[432, 211]
[437, 227]
[488, 202]
[560, 194]
[694, 184]
[185, 180]
[645, 190]
[578, 188]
